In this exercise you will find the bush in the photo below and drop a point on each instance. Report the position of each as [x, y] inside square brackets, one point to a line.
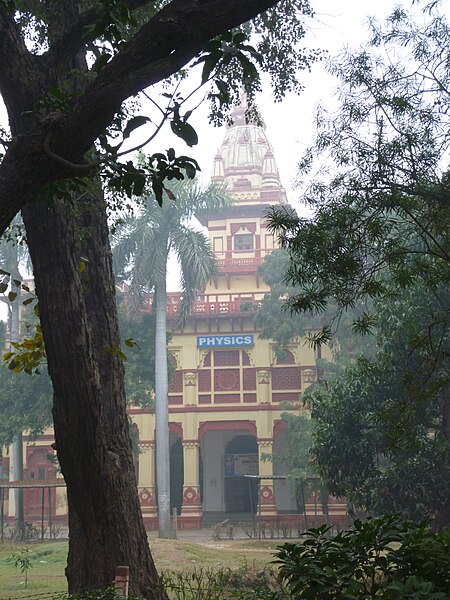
[378, 558]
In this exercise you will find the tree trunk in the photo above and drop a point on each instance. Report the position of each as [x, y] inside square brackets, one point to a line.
[79, 322]
[162, 409]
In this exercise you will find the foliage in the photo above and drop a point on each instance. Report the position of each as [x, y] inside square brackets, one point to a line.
[380, 558]
[379, 231]
[378, 437]
[67, 123]
[23, 561]
[25, 402]
[140, 356]
[110, 32]
[277, 321]
[224, 584]
[142, 244]
[382, 201]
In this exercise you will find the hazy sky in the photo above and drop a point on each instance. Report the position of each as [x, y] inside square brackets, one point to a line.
[337, 23]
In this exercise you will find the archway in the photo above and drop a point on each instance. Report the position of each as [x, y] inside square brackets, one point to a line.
[241, 458]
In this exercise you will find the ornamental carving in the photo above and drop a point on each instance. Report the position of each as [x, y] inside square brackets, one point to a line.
[226, 358]
[205, 359]
[190, 443]
[266, 495]
[191, 496]
[147, 497]
[226, 380]
[176, 383]
[286, 378]
[190, 379]
[204, 381]
[175, 357]
[263, 377]
[265, 444]
[309, 375]
[249, 379]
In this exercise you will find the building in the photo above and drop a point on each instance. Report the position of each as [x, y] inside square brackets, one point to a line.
[224, 399]
[225, 396]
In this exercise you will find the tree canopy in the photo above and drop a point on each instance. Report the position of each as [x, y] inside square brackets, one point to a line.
[378, 237]
[379, 439]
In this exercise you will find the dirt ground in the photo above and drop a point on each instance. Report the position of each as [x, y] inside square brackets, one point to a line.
[197, 548]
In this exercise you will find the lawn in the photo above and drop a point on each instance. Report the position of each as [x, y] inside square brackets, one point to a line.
[46, 577]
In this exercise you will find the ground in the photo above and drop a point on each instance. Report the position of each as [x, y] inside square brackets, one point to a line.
[193, 549]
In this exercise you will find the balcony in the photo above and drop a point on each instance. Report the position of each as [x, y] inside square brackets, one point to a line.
[215, 304]
[242, 261]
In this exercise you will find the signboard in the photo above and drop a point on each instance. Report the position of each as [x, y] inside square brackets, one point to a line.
[236, 465]
[224, 341]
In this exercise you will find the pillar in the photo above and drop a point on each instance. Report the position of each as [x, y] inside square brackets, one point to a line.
[191, 509]
[190, 389]
[147, 485]
[266, 500]
[263, 386]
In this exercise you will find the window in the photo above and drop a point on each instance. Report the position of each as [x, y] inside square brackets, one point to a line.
[243, 241]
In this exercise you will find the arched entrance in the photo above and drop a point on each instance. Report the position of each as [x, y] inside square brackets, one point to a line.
[241, 458]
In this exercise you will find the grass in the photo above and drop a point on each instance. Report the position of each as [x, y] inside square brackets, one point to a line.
[45, 576]
[49, 560]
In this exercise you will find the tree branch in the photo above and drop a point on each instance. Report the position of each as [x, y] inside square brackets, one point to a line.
[165, 44]
[17, 66]
[73, 40]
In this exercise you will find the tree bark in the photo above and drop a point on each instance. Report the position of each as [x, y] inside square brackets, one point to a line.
[79, 321]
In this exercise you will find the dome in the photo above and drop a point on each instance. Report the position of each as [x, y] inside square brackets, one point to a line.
[246, 162]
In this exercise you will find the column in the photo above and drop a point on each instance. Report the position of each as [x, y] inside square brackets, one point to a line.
[190, 389]
[266, 501]
[263, 386]
[191, 509]
[147, 485]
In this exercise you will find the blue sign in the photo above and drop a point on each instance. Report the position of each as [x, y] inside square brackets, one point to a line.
[224, 341]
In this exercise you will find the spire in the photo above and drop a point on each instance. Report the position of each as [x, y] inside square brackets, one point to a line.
[218, 173]
[246, 163]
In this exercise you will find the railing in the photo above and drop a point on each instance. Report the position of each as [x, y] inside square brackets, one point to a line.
[241, 260]
[215, 304]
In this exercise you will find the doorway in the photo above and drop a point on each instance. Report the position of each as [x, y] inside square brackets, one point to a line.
[241, 458]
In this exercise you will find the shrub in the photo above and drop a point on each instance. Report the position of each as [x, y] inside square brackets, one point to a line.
[378, 558]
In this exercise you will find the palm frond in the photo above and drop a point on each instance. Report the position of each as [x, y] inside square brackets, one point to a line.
[198, 266]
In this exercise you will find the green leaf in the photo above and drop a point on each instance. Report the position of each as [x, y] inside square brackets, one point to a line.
[101, 62]
[185, 131]
[157, 186]
[211, 62]
[133, 124]
[12, 296]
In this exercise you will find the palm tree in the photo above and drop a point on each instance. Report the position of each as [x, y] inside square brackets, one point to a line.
[141, 249]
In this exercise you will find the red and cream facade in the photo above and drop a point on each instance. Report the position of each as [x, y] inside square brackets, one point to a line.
[225, 399]
[225, 396]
